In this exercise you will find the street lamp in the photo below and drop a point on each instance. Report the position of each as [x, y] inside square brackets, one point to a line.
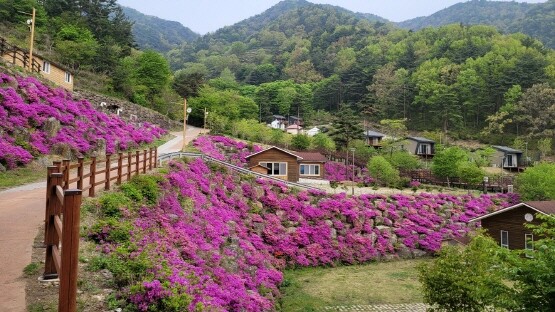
[31, 23]
[352, 149]
[486, 180]
[186, 111]
[205, 115]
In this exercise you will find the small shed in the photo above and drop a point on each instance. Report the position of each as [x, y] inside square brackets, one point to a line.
[507, 226]
[508, 158]
[422, 147]
[259, 169]
[374, 138]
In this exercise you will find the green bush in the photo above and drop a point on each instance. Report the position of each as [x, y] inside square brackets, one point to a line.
[132, 192]
[300, 142]
[537, 183]
[403, 161]
[111, 203]
[446, 162]
[148, 186]
[470, 173]
[381, 170]
[471, 278]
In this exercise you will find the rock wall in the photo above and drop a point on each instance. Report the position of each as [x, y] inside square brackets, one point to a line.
[127, 111]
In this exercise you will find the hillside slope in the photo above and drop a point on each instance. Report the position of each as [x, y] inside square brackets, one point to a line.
[36, 119]
[534, 19]
[154, 33]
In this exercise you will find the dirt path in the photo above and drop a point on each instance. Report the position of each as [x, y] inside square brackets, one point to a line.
[21, 215]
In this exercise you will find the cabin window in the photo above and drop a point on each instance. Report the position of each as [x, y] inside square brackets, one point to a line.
[67, 77]
[529, 244]
[424, 149]
[505, 239]
[275, 168]
[46, 67]
[510, 161]
[310, 170]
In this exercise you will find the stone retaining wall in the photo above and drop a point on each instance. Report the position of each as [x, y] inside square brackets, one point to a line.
[127, 111]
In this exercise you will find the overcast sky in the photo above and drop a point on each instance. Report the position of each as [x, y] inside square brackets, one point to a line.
[204, 16]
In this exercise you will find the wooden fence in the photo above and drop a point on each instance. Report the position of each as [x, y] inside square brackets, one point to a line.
[16, 55]
[495, 184]
[63, 210]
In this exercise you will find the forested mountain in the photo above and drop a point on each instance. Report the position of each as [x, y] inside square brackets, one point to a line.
[534, 19]
[151, 32]
[318, 57]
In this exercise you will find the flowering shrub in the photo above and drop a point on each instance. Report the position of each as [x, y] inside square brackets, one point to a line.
[336, 171]
[225, 149]
[26, 106]
[217, 241]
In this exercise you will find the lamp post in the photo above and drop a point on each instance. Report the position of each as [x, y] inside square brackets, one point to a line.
[486, 180]
[31, 22]
[205, 115]
[353, 166]
[185, 117]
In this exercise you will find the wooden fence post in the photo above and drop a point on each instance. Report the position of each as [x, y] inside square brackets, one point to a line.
[120, 164]
[137, 163]
[155, 157]
[129, 161]
[51, 236]
[92, 178]
[107, 184]
[150, 154]
[80, 173]
[144, 161]
[66, 173]
[67, 301]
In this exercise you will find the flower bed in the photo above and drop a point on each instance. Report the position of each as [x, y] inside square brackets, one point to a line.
[34, 118]
[219, 240]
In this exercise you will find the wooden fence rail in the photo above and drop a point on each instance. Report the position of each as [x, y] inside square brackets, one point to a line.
[63, 211]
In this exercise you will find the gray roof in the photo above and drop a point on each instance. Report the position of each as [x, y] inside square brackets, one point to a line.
[507, 149]
[278, 117]
[371, 133]
[421, 139]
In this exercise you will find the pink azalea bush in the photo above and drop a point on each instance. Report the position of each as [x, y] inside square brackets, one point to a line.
[225, 149]
[336, 171]
[219, 241]
[26, 105]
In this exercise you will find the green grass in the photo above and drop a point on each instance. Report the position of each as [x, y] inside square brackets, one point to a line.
[311, 289]
[21, 176]
[31, 269]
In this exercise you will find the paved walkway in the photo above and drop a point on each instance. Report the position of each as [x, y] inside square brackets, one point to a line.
[22, 212]
[413, 307]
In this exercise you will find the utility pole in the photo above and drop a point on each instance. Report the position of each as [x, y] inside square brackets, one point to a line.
[32, 40]
[184, 122]
[205, 115]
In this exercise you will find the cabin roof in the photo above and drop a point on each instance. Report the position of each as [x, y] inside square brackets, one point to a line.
[543, 207]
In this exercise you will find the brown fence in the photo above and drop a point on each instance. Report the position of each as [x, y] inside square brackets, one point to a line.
[17, 56]
[63, 210]
[494, 184]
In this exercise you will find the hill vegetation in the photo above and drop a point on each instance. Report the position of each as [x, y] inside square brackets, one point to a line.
[536, 20]
[151, 32]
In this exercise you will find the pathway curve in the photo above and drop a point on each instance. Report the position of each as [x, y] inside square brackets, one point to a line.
[22, 212]
[412, 307]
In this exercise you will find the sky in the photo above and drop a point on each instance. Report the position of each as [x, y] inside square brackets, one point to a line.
[203, 16]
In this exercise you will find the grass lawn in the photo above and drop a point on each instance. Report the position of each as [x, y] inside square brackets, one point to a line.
[21, 176]
[311, 289]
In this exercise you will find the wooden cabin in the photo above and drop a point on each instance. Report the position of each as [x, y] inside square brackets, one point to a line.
[374, 138]
[288, 165]
[509, 158]
[422, 147]
[507, 226]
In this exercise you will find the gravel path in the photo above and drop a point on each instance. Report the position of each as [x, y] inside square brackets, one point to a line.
[413, 307]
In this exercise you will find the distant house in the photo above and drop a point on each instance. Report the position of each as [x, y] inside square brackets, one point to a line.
[507, 226]
[292, 120]
[421, 147]
[288, 165]
[374, 138]
[56, 73]
[508, 158]
[294, 129]
[278, 122]
[312, 132]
